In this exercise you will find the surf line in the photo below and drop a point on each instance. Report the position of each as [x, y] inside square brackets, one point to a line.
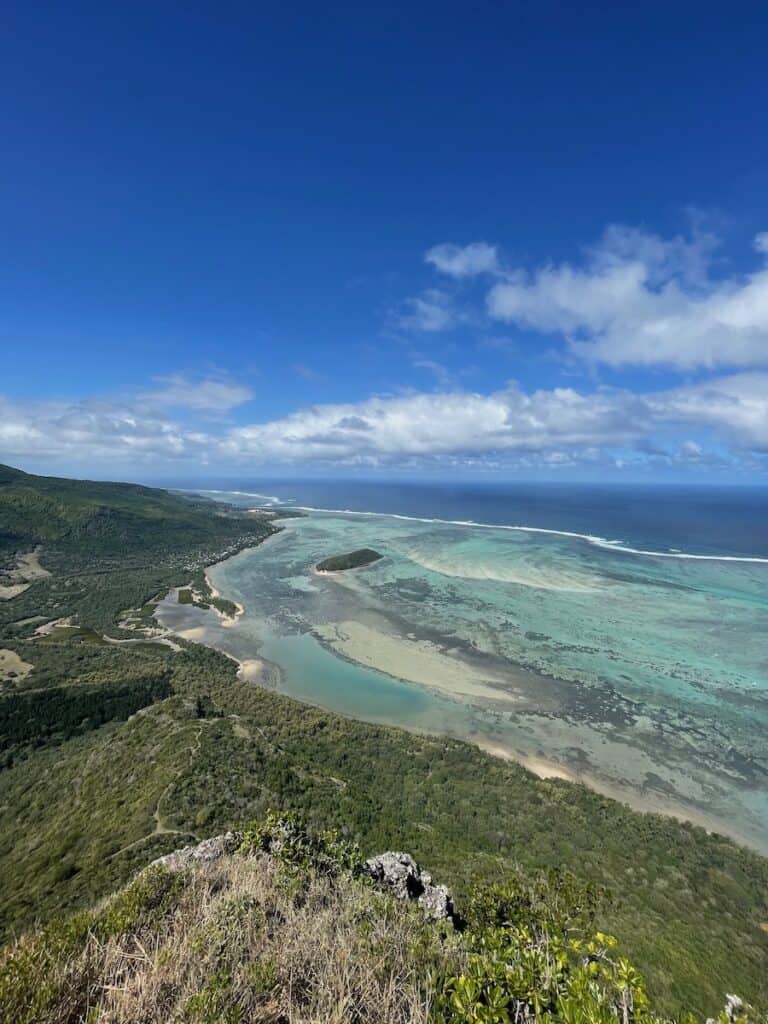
[270, 498]
[598, 542]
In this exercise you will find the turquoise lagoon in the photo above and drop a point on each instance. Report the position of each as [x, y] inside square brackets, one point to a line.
[645, 676]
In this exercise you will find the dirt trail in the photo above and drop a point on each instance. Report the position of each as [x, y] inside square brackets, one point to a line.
[160, 827]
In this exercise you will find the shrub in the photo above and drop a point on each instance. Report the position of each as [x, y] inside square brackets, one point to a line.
[285, 837]
[533, 954]
[142, 904]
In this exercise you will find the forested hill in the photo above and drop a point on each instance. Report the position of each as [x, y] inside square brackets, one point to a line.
[104, 516]
[119, 744]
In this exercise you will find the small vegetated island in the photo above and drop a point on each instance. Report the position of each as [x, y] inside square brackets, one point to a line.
[351, 560]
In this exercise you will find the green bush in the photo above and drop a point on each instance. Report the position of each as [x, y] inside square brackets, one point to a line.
[286, 837]
[533, 955]
[31, 979]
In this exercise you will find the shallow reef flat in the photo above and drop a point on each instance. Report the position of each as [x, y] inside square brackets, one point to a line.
[643, 676]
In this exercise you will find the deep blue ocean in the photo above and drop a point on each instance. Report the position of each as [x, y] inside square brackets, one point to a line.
[699, 520]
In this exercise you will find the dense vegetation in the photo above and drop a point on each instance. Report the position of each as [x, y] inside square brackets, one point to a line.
[106, 517]
[82, 808]
[284, 925]
[105, 558]
[351, 560]
[34, 718]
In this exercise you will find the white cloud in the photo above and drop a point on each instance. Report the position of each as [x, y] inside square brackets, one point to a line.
[642, 300]
[463, 260]
[93, 430]
[433, 310]
[560, 424]
[734, 407]
[213, 394]
[552, 427]
[445, 424]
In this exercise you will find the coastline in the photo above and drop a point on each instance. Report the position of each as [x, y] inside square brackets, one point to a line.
[248, 669]
[261, 672]
[640, 803]
[226, 620]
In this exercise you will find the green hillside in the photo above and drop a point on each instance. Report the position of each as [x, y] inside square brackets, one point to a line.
[76, 514]
[278, 923]
[113, 755]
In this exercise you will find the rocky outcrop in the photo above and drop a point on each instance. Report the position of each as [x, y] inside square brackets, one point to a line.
[400, 873]
[394, 871]
[733, 1010]
[202, 853]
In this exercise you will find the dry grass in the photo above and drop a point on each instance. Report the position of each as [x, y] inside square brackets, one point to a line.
[244, 940]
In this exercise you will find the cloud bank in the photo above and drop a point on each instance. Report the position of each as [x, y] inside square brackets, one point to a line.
[641, 300]
[510, 426]
[634, 299]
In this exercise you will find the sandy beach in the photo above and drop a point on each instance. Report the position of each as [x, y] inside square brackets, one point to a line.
[226, 620]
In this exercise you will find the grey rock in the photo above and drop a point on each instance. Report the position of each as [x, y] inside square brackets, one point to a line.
[733, 1006]
[205, 852]
[400, 873]
[437, 903]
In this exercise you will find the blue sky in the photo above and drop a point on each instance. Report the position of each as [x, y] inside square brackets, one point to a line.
[500, 239]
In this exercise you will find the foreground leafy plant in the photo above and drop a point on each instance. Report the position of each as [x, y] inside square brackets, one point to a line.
[532, 957]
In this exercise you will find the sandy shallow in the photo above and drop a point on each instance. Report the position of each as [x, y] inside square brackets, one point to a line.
[540, 766]
[226, 620]
[415, 661]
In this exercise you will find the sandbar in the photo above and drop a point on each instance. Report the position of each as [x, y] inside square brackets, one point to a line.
[415, 661]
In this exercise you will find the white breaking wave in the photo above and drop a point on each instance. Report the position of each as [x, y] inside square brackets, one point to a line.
[270, 499]
[596, 541]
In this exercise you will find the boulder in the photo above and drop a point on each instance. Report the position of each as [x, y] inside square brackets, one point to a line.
[733, 1009]
[400, 873]
[734, 1006]
[205, 852]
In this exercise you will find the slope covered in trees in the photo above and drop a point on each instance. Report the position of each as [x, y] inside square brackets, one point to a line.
[104, 517]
